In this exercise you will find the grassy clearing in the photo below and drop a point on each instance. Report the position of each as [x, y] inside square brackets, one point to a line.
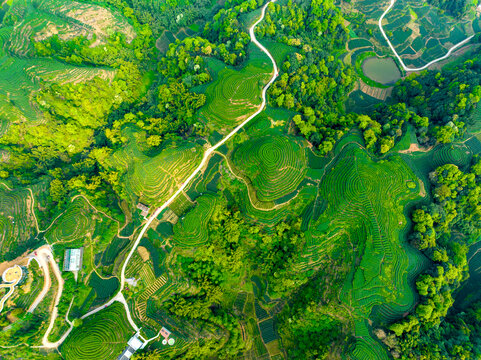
[102, 336]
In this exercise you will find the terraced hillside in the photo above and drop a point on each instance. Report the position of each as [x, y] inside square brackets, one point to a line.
[17, 223]
[102, 336]
[192, 229]
[75, 224]
[274, 165]
[22, 71]
[365, 217]
[41, 19]
[236, 94]
[154, 179]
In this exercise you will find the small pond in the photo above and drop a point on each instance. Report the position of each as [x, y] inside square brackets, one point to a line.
[384, 71]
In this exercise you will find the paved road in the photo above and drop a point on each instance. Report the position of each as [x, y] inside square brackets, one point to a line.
[119, 296]
[209, 151]
[11, 287]
[454, 47]
[207, 155]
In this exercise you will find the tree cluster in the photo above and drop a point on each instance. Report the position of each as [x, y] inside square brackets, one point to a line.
[313, 82]
[443, 231]
[456, 8]
[386, 125]
[446, 97]
[236, 249]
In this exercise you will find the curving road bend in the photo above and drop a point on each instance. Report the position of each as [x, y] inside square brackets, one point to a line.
[119, 296]
[210, 150]
[11, 289]
[406, 68]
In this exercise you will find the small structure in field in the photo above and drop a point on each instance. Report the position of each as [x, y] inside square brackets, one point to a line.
[73, 259]
[144, 209]
[166, 335]
[134, 344]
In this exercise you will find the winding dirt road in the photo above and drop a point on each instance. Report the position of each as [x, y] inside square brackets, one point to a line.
[44, 257]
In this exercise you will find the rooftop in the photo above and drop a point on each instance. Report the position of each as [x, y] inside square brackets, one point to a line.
[73, 259]
[135, 343]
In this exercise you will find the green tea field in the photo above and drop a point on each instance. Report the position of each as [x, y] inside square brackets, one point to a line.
[102, 336]
[364, 216]
[235, 94]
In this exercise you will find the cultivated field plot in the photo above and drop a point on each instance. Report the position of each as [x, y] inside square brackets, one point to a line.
[74, 225]
[278, 50]
[364, 215]
[274, 165]
[192, 229]
[17, 223]
[102, 336]
[31, 287]
[458, 154]
[419, 32]
[155, 179]
[469, 290]
[236, 94]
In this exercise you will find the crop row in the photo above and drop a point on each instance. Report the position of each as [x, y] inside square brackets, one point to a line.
[102, 336]
[276, 165]
[192, 230]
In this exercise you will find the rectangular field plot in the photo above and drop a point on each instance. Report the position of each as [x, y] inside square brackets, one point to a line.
[268, 332]
[260, 312]
[414, 23]
[474, 144]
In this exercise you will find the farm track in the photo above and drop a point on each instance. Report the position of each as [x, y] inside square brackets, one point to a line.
[210, 151]
[454, 47]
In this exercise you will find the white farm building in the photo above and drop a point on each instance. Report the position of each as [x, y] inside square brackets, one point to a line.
[73, 259]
